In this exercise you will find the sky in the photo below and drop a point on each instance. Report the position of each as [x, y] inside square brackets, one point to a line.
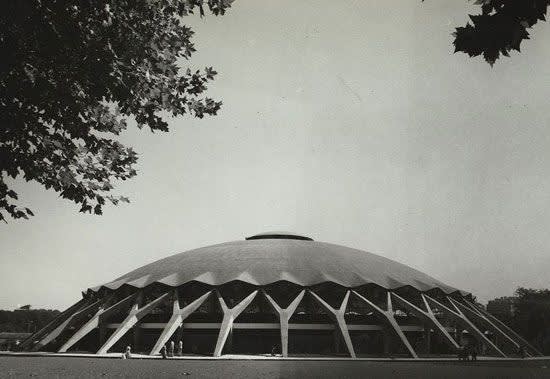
[351, 122]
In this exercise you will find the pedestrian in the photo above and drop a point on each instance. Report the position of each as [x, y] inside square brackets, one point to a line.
[128, 353]
[171, 349]
[474, 352]
[179, 351]
[462, 353]
[163, 351]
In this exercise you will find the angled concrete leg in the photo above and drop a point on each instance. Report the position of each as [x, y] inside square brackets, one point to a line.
[284, 317]
[284, 337]
[229, 315]
[94, 322]
[345, 333]
[429, 318]
[473, 315]
[338, 316]
[136, 313]
[53, 324]
[464, 322]
[397, 328]
[57, 331]
[178, 316]
[387, 316]
[495, 321]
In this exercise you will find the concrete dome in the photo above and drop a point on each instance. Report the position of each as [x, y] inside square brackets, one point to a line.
[275, 292]
[270, 257]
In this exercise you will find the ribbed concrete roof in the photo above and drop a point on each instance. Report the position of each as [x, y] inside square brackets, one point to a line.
[264, 261]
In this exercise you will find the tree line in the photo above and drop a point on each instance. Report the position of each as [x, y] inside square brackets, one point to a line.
[26, 321]
[528, 313]
[531, 317]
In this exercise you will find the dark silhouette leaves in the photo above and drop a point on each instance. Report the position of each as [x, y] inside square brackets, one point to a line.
[500, 28]
[73, 73]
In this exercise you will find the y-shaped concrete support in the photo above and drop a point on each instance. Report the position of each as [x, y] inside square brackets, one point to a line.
[229, 315]
[94, 322]
[338, 316]
[464, 322]
[387, 316]
[57, 331]
[284, 316]
[136, 313]
[428, 317]
[495, 321]
[178, 315]
[53, 324]
[472, 314]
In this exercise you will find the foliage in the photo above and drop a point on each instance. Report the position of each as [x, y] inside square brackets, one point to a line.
[532, 316]
[502, 308]
[500, 28]
[73, 73]
[24, 321]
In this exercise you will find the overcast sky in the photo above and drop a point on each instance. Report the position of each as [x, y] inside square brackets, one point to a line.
[348, 121]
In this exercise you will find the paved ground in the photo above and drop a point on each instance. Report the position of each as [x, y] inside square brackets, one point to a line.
[76, 367]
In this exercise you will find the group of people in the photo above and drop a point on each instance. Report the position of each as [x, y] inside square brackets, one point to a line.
[469, 352]
[165, 352]
[171, 350]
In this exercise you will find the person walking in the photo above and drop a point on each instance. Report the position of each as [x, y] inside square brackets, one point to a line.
[163, 351]
[171, 349]
[462, 353]
[179, 350]
[474, 352]
[128, 353]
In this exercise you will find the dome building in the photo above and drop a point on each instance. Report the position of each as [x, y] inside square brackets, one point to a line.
[277, 293]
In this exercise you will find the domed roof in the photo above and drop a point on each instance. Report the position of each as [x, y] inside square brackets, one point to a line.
[270, 257]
